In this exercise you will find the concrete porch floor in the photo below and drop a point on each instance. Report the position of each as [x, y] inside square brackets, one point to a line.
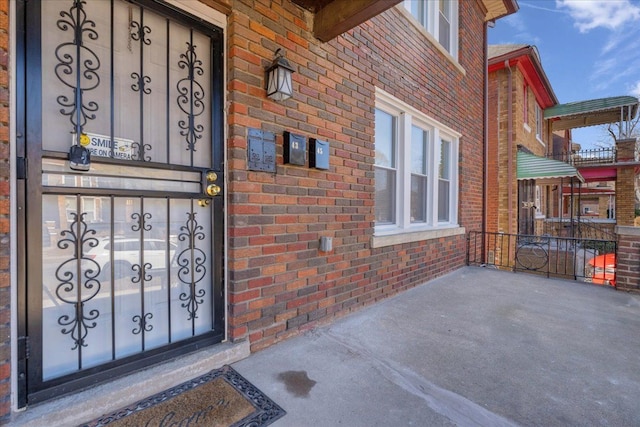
[477, 347]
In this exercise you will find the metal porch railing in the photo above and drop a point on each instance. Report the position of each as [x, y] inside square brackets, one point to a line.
[564, 257]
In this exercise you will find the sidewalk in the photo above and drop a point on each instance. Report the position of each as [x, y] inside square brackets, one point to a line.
[478, 347]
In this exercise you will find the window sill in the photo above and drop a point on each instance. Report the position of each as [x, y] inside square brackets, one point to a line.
[400, 7]
[414, 236]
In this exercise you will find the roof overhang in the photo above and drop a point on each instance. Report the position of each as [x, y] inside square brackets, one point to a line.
[335, 17]
[527, 60]
[593, 112]
[496, 9]
[544, 170]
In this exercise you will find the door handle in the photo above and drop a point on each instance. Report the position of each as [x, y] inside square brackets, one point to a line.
[213, 190]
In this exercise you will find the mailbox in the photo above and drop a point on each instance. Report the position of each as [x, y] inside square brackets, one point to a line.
[262, 151]
[295, 148]
[318, 154]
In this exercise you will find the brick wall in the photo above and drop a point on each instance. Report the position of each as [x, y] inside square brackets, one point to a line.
[527, 136]
[625, 196]
[495, 128]
[501, 184]
[5, 290]
[279, 282]
[628, 259]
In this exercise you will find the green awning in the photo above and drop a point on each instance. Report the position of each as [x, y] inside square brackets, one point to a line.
[539, 168]
[592, 112]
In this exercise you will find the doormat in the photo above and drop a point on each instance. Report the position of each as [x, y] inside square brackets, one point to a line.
[221, 398]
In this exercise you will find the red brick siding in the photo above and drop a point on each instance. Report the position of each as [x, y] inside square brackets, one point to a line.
[5, 290]
[500, 184]
[279, 283]
[495, 127]
[628, 262]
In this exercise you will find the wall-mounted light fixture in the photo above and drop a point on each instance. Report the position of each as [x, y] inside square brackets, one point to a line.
[279, 86]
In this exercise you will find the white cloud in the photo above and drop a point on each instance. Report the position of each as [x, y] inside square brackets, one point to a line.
[516, 22]
[591, 14]
[635, 89]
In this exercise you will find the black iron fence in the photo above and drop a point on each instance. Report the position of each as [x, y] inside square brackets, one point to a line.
[588, 260]
[595, 156]
[579, 227]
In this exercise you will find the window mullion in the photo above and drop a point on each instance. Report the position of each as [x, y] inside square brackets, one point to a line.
[453, 181]
[434, 148]
[404, 170]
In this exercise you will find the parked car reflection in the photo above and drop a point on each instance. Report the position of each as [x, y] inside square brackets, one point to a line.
[127, 253]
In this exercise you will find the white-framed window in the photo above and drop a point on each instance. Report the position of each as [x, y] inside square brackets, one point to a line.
[416, 169]
[525, 104]
[440, 19]
[538, 122]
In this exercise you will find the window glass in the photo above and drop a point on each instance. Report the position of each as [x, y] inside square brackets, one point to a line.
[385, 196]
[417, 9]
[407, 154]
[385, 141]
[419, 141]
[445, 160]
[525, 105]
[444, 24]
[439, 18]
[385, 199]
[444, 187]
[538, 122]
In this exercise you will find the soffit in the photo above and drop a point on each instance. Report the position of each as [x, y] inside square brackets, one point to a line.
[335, 17]
[498, 8]
[527, 59]
[592, 112]
[223, 6]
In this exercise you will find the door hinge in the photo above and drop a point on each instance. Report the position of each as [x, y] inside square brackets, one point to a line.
[21, 168]
[24, 347]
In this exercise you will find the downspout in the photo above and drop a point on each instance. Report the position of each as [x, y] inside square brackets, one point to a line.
[509, 148]
[485, 142]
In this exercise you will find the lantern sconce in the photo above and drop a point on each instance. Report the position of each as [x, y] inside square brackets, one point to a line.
[279, 86]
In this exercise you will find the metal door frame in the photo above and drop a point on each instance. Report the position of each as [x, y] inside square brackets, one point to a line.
[28, 98]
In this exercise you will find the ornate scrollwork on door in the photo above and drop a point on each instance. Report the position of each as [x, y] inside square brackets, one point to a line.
[192, 265]
[77, 66]
[141, 82]
[142, 323]
[78, 281]
[141, 271]
[191, 96]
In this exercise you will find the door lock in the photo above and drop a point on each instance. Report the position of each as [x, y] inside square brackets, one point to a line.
[213, 190]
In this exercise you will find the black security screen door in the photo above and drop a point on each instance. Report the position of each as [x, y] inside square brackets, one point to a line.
[120, 255]
[527, 208]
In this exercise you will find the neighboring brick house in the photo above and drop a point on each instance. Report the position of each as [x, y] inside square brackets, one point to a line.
[163, 244]
[518, 136]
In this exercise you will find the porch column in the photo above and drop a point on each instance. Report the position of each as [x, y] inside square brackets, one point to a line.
[625, 182]
[628, 258]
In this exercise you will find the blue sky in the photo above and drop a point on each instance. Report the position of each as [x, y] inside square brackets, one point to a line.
[589, 49]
